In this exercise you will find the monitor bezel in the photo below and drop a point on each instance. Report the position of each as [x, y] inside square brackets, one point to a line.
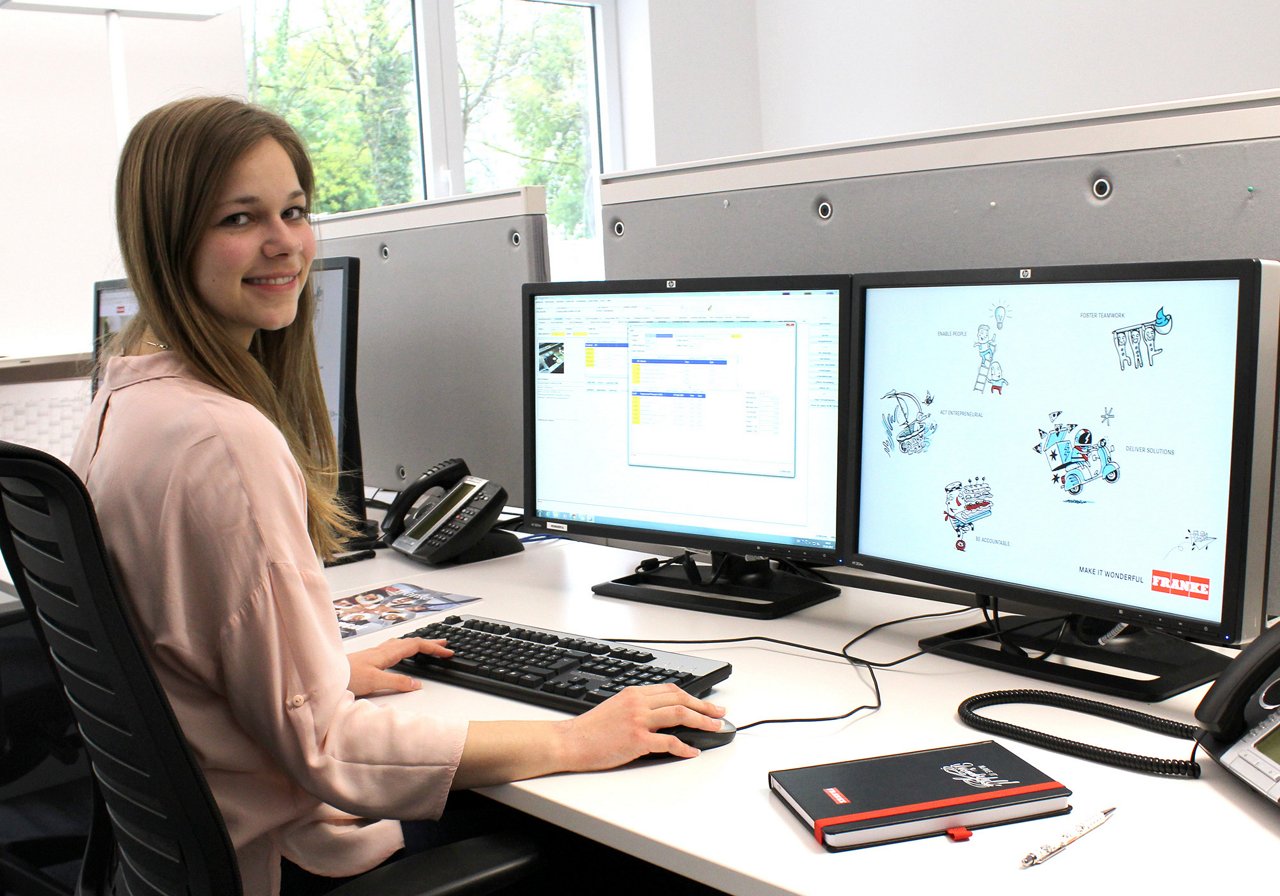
[1251, 477]
[98, 343]
[807, 556]
[347, 436]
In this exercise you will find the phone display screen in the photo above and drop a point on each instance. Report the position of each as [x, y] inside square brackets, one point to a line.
[1269, 745]
[460, 495]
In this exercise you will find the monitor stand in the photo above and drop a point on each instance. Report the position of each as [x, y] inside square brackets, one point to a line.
[749, 588]
[1165, 665]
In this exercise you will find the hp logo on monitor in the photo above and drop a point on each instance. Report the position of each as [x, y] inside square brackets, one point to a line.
[1024, 274]
[671, 284]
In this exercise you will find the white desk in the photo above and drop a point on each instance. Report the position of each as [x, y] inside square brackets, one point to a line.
[713, 819]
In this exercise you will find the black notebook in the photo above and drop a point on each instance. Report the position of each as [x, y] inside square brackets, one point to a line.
[902, 796]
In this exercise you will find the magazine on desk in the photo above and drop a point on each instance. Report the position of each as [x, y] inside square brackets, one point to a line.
[882, 799]
[376, 608]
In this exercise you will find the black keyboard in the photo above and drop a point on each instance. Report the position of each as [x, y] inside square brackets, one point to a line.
[551, 668]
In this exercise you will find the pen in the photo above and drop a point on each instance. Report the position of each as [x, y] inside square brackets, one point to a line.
[1049, 850]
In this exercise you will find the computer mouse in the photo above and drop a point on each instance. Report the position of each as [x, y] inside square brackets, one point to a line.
[703, 740]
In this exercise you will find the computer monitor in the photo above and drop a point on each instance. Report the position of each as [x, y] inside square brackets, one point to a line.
[336, 284]
[704, 414]
[114, 304]
[1095, 443]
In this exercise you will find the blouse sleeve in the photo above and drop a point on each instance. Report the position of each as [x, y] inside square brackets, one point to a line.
[280, 658]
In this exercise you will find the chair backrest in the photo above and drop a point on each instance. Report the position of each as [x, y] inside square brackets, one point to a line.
[35, 720]
[155, 817]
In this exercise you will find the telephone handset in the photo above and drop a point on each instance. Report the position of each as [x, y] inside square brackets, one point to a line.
[1240, 716]
[447, 515]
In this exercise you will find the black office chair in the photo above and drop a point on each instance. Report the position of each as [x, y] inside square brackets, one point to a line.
[42, 822]
[155, 825]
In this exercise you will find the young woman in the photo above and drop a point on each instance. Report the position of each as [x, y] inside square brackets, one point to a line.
[211, 464]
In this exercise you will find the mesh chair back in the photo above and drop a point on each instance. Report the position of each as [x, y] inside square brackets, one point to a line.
[157, 829]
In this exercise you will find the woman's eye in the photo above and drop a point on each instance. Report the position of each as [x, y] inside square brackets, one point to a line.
[295, 213]
[236, 220]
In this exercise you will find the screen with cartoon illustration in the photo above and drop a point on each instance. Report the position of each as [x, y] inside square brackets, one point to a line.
[1086, 438]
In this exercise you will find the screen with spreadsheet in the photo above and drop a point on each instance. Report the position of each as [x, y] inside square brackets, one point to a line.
[696, 413]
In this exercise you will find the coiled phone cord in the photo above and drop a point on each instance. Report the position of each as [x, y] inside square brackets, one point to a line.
[1175, 768]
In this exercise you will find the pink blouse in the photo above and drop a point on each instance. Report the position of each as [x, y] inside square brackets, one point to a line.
[204, 514]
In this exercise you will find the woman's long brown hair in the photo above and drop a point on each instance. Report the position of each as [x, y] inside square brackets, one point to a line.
[172, 168]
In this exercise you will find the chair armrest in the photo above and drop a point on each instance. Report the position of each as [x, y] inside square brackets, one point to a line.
[469, 867]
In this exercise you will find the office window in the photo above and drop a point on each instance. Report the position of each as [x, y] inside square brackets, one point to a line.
[342, 72]
[526, 81]
[404, 99]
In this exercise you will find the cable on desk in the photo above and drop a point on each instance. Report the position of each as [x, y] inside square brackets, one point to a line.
[875, 683]
[801, 570]
[992, 617]
[984, 636]
[1175, 768]
[892, 622]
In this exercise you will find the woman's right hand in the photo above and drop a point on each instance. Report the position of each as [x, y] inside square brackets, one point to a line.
[625, 727]
[629, 725]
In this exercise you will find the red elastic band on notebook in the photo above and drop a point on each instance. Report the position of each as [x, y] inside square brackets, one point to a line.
[820, 826]
[959, 835]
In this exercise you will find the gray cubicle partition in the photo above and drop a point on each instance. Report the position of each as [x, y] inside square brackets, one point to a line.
[439, 366]
[1198, 181]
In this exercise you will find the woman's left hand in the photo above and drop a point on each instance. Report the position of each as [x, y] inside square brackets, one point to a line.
[369, 667]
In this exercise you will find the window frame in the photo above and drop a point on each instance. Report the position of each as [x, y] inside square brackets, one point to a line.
[440, 110]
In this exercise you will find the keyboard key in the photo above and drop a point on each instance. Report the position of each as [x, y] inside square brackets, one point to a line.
[554, 669]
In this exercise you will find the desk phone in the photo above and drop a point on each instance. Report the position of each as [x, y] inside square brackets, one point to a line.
[448, 515]
[1240, 716]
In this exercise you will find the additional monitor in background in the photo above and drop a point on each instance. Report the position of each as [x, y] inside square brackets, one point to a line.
[704, 414]
[336, 284]
[1092, 442]
[114, 304]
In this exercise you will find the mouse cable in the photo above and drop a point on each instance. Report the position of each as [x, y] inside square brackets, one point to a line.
[992, 618]
[983, 636]
[875, 682]
[892, 622]
[1173, 768]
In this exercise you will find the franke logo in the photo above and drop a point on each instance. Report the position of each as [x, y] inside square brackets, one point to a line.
[836, 796]
[1180, 584]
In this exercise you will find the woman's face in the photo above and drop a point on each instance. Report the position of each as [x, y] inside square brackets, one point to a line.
[253, 260]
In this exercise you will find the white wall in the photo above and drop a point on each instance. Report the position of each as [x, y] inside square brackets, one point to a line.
[62, 107]
[56, 155]
[834, 72]
[690, 80]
